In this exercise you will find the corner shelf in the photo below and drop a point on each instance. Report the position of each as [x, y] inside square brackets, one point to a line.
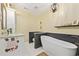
[66, 26]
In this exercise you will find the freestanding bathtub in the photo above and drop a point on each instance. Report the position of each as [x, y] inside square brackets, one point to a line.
[56, 47]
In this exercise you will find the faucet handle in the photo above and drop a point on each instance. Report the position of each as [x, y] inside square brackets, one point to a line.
[7, 31]
[10, 30]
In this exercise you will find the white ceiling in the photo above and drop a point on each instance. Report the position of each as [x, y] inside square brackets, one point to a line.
[34, 8]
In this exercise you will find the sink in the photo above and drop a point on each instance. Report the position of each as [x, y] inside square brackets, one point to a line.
[11, 35]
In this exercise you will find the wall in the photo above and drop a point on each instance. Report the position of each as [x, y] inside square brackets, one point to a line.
[64, 14]
[25, 23]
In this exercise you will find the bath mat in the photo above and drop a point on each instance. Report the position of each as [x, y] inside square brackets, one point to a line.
[42, 54]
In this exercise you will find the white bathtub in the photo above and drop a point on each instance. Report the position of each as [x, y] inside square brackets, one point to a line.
[56, 47]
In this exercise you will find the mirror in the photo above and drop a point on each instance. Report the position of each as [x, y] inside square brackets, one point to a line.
[8, 18]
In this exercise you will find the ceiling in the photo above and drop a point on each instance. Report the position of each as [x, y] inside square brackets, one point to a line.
[34, 8]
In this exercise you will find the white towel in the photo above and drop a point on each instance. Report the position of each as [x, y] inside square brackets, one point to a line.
[12, 44]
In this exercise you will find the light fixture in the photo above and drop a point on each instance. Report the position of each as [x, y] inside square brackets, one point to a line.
[54, 7]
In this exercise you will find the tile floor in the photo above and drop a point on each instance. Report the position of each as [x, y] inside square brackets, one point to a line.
[32, 51]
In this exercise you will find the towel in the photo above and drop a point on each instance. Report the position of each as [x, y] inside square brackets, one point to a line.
[12, 45]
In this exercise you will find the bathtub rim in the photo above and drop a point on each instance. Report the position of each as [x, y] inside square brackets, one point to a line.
[67, 44]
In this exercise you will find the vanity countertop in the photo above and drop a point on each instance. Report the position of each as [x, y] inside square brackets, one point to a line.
[11, 35]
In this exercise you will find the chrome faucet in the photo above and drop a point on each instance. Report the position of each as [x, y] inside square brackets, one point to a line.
[9, 31]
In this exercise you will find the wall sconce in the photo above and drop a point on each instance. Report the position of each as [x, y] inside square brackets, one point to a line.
[40, 24]
[54, 7]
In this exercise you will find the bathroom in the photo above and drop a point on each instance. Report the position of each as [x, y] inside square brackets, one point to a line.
[22, 18]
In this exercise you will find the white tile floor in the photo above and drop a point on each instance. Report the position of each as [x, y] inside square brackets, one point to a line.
[32, 51]
[24, 49]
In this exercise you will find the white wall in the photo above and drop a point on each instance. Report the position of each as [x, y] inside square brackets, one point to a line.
[64, 15]
[26, 22]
